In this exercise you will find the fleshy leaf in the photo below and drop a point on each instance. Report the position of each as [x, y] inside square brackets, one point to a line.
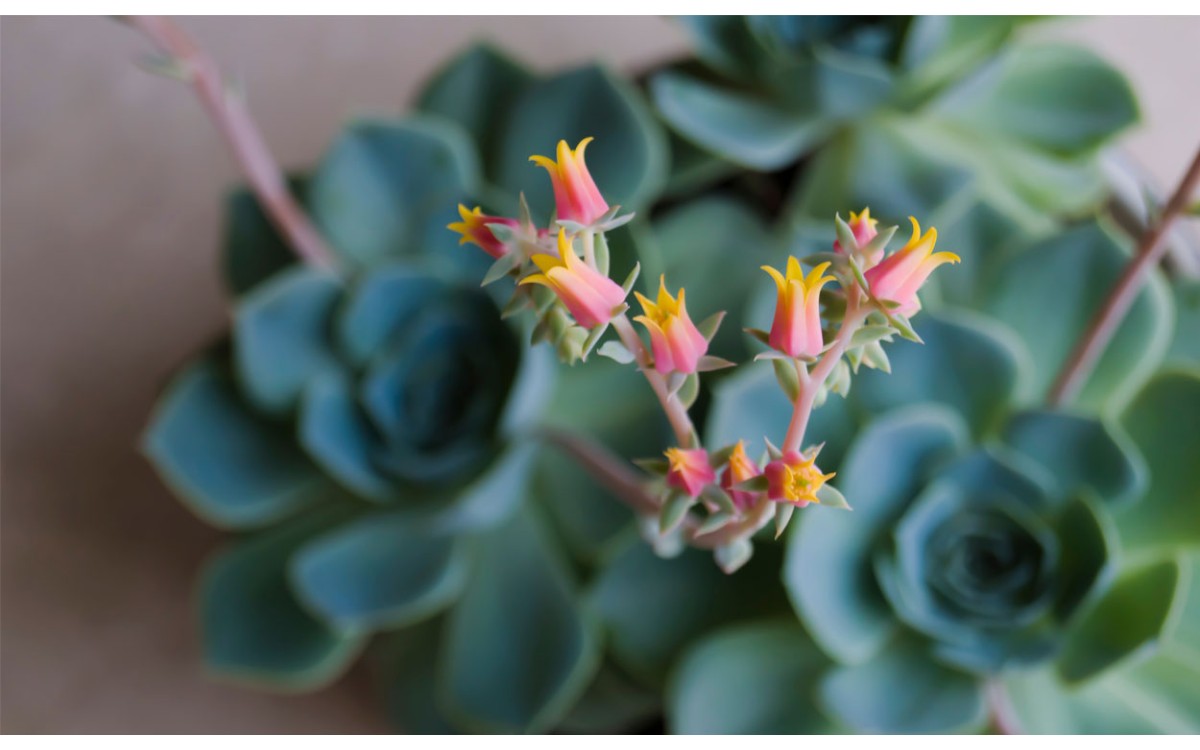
[477, 90]
[382, 571]
[1078, 452]
[967, 363]
[828, 569]
[387, 190]
[903, 690]
[1056, 97]
[407, 662]
[254, 629]
[698, 596]
[230, 466]
[281, 337]
[339, 438]
[756, 133]
[750, 679]
[1131, 617]
[252, 249]
[518, 648]
[380, 307]
[1048, 293]
[1162, 420]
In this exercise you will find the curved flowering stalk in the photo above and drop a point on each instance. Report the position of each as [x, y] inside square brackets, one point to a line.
[830, 319]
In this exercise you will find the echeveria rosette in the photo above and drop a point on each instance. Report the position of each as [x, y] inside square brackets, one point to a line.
[992, 545]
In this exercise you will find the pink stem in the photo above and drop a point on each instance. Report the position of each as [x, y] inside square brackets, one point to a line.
[810, 383]
[1104, 323]
[677, 415]
[243, 137]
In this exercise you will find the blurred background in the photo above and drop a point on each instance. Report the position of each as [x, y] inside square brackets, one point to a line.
[112, 193]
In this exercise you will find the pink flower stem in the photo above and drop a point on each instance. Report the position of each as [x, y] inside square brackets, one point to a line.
[1003, 716]
[677, 415]
[810, 383]
[1104, 323]
[243, 137]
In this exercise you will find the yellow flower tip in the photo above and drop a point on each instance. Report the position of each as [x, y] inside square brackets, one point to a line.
[536, 278]
[547, 263]
[864, 215]
[793, 268]
[816, 278]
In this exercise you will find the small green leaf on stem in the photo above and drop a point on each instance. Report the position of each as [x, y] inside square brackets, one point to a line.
[689, 391]
[789, 381]
[616, 351]
[783, 514]
[708, 363]
[632, 278]
[673, 511]
[719, 497]
[730, 557]
[829, 496]
[714, 522]
[753, 484]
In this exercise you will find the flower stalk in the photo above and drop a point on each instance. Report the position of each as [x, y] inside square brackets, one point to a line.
[242, 135]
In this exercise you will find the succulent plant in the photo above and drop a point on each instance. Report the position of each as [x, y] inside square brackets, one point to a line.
[1003, 560]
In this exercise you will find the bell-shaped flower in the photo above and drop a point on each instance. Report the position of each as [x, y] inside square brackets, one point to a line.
[591, 297]
[688, 470]
[576, 197]
[863, 227]
[796, 330]
[898, 277]
[677, 344]
[474, 228]
[795, 479]
[739, 469]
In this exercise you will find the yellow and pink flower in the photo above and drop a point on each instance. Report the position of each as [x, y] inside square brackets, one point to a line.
[576, 197]
[676, 342]
[688, 470]
[739, 469]
[796, 330]
[795, 479]
[591, 297]
[474, 228]
[898, 277]
[863, 227]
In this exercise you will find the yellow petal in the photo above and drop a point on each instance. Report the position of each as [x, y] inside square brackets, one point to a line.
[780, 282]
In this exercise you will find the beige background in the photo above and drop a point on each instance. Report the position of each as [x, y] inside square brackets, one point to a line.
[112, 181]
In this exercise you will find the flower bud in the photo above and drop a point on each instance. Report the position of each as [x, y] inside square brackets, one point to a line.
[677, 344]
[689, 470]
[796, 330]
[576, 197]
[898, 277]
[474, 228]
[863, 227]
[739, 469]
[591, 297]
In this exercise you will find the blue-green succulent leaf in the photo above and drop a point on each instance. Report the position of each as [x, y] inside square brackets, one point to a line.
[727, 44]
[380, 307]
[477, 90]
[903, 690]
[407, 661]
[494, 495]
[252, 250]
[1163, 423]
[387, 190]
[281, 337]
[1078, 452]
[938, 49]
[628, 159]
[1048, 294]
[1059, 98]
[1131, 617]
[339, 438]
[753, 132]
[749, 404]
[967, 363]
[254, 629]
[748, 679]
[828, 569]
[518, 650]
[1152, 695]
[228, 465]
[381, 571]
[898, 171]
[1088, 544]
[1185, 346]
[636, 583]
[612, 703]
[982, 237]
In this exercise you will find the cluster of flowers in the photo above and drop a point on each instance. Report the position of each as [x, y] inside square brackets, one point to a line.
[818, 338]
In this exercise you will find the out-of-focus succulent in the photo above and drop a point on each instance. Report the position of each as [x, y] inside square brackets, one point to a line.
[904, 114]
